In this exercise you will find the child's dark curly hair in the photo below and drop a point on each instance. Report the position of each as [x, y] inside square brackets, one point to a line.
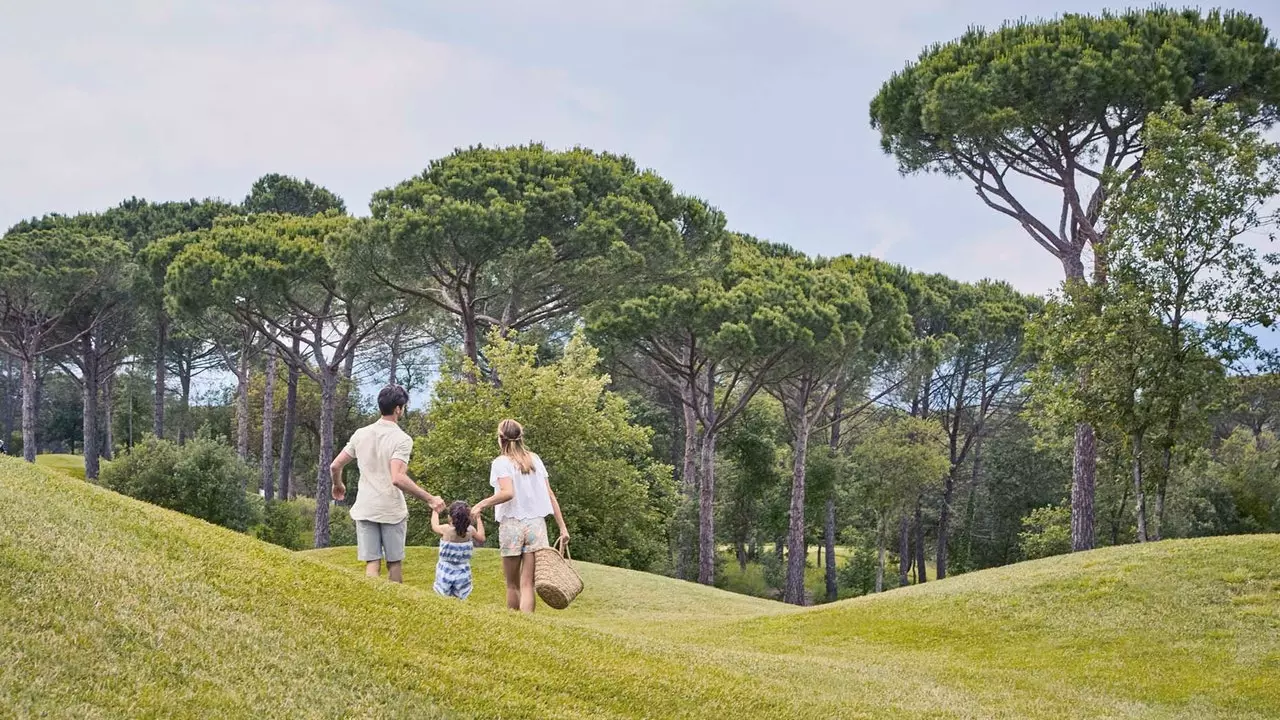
[460, 516]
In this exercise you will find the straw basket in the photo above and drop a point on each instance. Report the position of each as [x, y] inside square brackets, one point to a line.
[554, 578]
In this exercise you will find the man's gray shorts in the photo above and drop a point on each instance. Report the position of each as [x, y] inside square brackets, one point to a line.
[378, 541]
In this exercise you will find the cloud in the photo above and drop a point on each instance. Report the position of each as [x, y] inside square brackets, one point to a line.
[169, 101]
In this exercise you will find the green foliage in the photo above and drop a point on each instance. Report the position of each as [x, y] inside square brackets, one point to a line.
[1248, 468]
[202, 478]
[895, 460]
[753, 450]
[284, 195]
[46, 277]
[529, 234]
[616, 499]
[857, 574]
[992, 91]
[286, 524]
[1180, 231]
[773, 570]
[291, 524]
[1046, 532]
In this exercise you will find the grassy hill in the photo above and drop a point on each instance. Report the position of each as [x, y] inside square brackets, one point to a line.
[72, 465]
[110, 607]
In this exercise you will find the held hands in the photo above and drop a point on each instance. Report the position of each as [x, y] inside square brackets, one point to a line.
[437, 503]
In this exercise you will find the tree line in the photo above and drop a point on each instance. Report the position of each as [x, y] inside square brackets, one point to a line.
[739, 393]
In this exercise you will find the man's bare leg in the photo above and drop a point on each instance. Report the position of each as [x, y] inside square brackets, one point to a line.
[373, 568]
[394, 572]
[511, 572]
[527, 597]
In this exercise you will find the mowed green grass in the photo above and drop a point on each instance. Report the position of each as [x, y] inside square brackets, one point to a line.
[113, 608]
[72, 465]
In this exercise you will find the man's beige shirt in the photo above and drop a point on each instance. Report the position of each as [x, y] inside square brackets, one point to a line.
[374, 447]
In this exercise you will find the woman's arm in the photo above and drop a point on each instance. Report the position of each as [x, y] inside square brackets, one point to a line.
[555, 507]
[436, 527]
[477, 533]
[505, 492]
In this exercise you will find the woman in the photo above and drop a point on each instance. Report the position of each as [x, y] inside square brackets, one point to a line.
[522, 499]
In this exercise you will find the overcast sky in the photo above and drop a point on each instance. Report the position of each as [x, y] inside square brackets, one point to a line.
[758, 106]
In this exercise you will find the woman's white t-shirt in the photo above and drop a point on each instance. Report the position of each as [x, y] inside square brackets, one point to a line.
[531, 498]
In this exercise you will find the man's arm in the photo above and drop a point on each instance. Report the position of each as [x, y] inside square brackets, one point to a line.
[335, 474]
[400, 478]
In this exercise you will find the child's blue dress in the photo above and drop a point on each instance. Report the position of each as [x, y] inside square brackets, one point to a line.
[453, 569]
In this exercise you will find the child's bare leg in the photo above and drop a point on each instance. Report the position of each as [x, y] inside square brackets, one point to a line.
[511, 573]
[373, 568]
[395, 571]
[527, 597]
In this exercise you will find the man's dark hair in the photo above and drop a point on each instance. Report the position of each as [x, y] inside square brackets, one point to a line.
[390, 398]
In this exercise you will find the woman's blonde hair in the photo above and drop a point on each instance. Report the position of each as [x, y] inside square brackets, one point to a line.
[511, 438]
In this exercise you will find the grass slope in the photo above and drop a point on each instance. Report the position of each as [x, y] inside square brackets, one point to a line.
[72, 465]
[111, 607]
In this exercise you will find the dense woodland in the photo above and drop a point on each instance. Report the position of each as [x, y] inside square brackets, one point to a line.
[709, 403]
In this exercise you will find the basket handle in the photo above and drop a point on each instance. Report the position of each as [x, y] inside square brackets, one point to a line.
[562, 546]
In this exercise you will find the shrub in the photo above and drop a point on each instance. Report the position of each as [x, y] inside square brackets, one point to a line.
[1046, 532]
[291, 524]
[858, 573]
[203, 478]
[616, 498]
[284, 524]
[773, 570]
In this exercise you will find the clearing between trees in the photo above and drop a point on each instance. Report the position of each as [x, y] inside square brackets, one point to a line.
[112, 607]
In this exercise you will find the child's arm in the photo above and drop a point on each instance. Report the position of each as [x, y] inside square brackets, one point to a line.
[477, 532]
[436, 527]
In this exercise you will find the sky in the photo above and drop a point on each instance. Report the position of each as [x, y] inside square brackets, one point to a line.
[759, 107]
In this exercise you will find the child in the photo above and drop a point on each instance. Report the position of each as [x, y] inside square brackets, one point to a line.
[453, 569]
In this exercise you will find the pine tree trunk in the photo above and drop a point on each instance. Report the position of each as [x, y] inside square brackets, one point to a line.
[395, 356]
[1083, 480]
[1139, 497]
[89, 387]
[706, 511]
[793, 591]
[108, 416]
[6, 405]
[1161, 487]
[740, 549]
[328, 405]
[829, 524]
[971, 504]
[922, 573]
[184, 409]
[29, 391]
[268, 431]
[944, 519]
[470, 340]
[290, 425]
[880, 543]
[904, 551]
[688, 490]
[829, 537]
[162, 350]
[242, 406]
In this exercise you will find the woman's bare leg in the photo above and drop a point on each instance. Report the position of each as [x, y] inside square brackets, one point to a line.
[527, 596]
[511, 572]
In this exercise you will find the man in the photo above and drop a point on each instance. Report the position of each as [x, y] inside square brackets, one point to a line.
[381, 451]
